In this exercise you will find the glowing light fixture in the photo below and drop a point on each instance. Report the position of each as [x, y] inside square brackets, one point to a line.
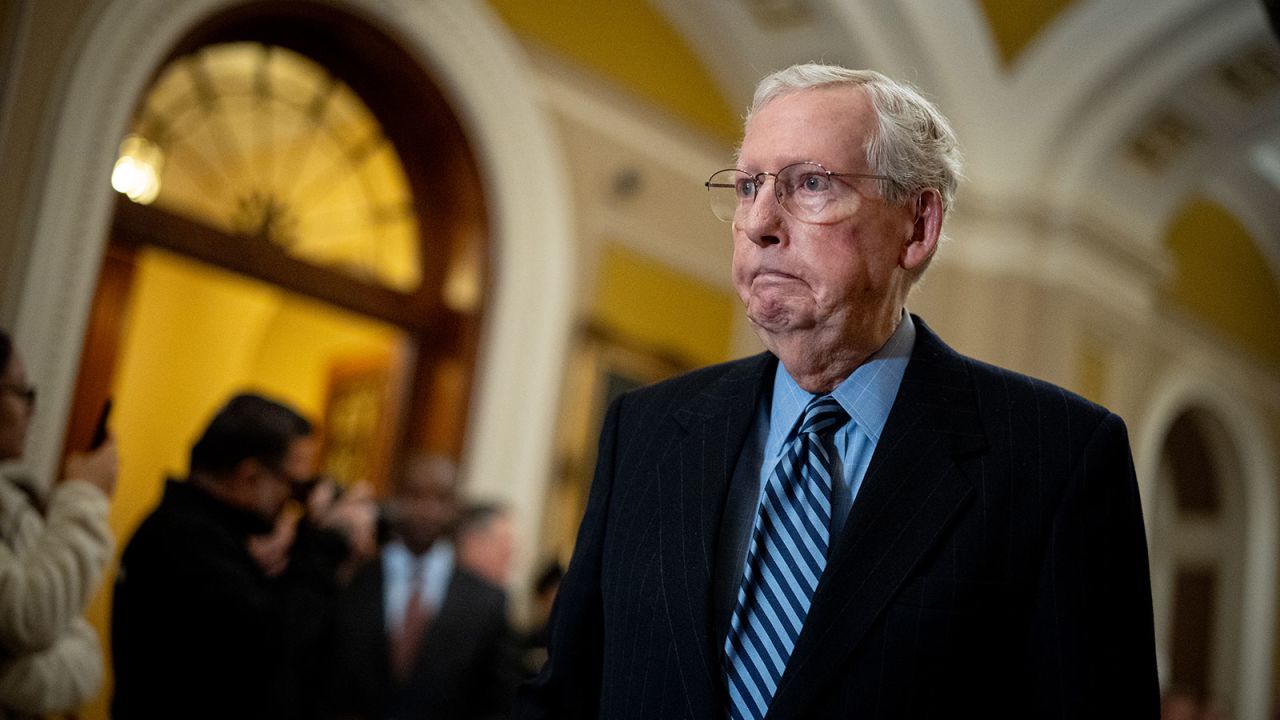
[137, 170]
[258, 141]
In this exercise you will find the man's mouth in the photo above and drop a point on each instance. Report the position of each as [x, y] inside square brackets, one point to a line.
[774, 276]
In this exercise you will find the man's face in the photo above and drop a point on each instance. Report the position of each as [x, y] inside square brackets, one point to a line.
[274, 486]
[426, 504]
[489, 552]
[843, 280]
[15, 410]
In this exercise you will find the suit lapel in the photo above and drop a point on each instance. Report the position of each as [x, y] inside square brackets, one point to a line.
[915, 484]
[693, 480]
[448, 630]
[444, 618]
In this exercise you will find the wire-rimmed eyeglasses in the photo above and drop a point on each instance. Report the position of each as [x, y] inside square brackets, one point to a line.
[806, 190]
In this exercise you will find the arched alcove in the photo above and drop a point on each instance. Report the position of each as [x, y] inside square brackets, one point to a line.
[480, 69]
[1198, 516]
[1224, 526]
[299, 146]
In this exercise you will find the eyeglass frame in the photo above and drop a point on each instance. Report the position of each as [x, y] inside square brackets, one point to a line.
[777, 191]
[26, 392]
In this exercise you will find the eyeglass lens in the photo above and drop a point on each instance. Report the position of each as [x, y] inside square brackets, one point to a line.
[805, 190]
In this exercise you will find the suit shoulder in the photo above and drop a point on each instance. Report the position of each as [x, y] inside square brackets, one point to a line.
[479, 592]
[1004, 396]
[662, 398]
[695, 380]
[157, 530]
[1018, 393]
[366, 580]
[166, 523]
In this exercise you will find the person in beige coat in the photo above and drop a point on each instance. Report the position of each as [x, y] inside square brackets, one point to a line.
[52, 557]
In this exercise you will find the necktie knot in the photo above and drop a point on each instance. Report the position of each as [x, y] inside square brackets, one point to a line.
[822, 414]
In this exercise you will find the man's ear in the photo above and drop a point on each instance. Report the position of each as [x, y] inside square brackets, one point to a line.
[926, 230]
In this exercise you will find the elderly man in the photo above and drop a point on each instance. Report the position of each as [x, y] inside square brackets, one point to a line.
[859, 523]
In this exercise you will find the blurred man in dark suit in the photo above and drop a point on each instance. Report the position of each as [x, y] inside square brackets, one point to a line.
[859, 523]
[419, 635]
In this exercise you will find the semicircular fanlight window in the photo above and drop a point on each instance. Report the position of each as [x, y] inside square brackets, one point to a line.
[261, 142]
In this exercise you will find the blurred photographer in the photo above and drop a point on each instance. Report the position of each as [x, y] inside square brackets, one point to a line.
[51, 559]
[226, 591]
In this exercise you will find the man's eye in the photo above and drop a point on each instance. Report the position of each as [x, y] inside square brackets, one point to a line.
[815, 183]
[747, 188]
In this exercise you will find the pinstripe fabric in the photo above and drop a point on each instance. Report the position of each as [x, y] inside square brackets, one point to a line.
[787, 556]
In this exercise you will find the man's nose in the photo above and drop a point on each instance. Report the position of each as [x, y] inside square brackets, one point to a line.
[762, 221]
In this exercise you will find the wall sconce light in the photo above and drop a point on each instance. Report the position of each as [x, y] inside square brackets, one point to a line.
[137, 170]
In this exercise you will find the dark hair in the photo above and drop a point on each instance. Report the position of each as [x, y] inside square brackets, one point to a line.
[6, 350]
[248, 426]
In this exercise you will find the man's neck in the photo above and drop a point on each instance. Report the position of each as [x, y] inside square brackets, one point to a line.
[819, 364]
[421, 550]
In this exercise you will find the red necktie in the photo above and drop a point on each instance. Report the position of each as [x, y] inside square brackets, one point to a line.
[417, 616]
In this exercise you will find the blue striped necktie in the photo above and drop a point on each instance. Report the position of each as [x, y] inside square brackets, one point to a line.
[787, 555]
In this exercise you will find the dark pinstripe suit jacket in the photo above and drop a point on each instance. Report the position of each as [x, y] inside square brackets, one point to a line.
[994, 564]
[465, 669]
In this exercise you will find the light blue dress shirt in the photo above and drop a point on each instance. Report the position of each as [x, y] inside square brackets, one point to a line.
[867, 395]
[435, 569]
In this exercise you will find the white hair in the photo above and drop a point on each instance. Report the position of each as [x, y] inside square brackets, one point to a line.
[914, 144]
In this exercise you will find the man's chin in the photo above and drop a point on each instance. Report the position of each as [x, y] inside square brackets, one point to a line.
[775, 318]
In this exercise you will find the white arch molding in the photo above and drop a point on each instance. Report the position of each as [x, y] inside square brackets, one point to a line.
[1183, 388]
[528, 319]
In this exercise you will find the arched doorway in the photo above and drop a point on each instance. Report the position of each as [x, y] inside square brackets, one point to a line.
[114, 57]
[315, 228]
[1199, 523]
[300, 146]
[529, 314]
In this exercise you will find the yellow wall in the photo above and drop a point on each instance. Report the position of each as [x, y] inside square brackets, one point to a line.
[1015, 23]
[193, 336]
[656, 307]
[632, 44]
[1223, 280]
[1092, 370]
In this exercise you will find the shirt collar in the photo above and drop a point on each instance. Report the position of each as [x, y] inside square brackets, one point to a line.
[867, 394]
[397, 560]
